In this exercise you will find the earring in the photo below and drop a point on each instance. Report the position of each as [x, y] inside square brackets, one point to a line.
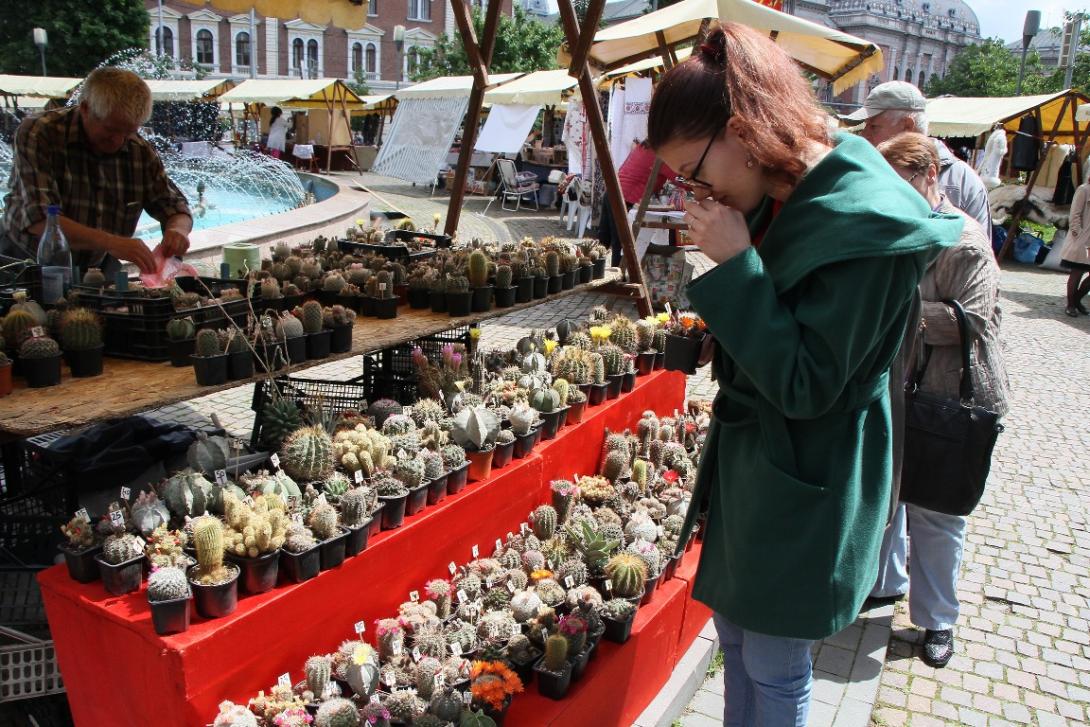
[749, 162]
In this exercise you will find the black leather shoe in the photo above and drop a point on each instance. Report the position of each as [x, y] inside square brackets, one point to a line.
[938, 648]
[1082, 309]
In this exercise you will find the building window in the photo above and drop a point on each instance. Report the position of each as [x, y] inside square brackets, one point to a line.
[896, 73]
[372, 59]
[297, 53]
[372, 7]
[419, 9]
[919, 80]
[242, 49]
[312, 58]
[205, 47]
[165, 47]
[357, 57]
[412, 62]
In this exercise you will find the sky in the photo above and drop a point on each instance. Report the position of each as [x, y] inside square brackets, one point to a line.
[1004, 18]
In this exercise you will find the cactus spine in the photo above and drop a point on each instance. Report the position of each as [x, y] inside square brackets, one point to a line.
[477, 269]
[207, 344]
[167, 584]
[312, 317]
[556, 653]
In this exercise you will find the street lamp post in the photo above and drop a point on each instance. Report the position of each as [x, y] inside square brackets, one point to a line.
[41, 39]
[1029, 29]
[399, 46]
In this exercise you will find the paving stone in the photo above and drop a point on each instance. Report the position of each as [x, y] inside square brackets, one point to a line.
[1016, 713]
[707, 703]
[891, 717]
[1070, 710]
[944, 710]
[1047, 719]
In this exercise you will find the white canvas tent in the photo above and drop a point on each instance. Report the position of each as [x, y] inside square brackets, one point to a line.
[449, 86]
[208, 89]
[38, 86]
[540, 88]
[965, 116]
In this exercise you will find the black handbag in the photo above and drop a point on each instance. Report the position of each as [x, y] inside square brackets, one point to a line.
[948, 443]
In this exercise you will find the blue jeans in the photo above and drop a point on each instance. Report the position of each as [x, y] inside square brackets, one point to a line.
[937, 544]
[766, 679]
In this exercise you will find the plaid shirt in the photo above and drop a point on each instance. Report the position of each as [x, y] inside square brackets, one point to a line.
[53, 164]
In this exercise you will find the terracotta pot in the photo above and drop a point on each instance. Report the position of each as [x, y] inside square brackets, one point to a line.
[480, 464]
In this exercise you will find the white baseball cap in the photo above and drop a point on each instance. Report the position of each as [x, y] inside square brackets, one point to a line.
[889, 96]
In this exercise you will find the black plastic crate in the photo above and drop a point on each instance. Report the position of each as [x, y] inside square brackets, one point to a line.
[30, 529]
[20, 599]
[18, 274]
[390, 373]
[396, 253]
[333, 396]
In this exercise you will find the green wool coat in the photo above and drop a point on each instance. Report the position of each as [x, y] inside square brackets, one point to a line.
[796, 471]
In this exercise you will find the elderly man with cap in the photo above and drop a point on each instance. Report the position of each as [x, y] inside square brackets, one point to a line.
[89, 160]
[898, 106]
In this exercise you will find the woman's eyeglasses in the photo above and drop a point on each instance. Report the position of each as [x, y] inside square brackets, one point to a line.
[689, 183]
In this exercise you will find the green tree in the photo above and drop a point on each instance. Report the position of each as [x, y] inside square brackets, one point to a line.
[522, 44]
[990, 69]
[81, 34]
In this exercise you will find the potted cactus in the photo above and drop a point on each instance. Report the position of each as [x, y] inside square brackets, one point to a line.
[209, 359]
[299, 558]
[614, 361]
[253, 536]
[598, 262]
[684, 340]
[340, 321]
[541, 281]
[577, 404]
[552, 405]
[393, 494]
[80, 548]
[475, 430]
[552, 271]
[477, 272]
[81, 341]
[215, 584]
[568, 265]
[505, 291]
[383, 297]
[168, 599]
[628, 574]
[554, 670]
[585, 271]
[5, 373]
[240, 362]
[41, 361]
[573, 627]
[180, 334]
[505, 449]
[659, 344]
[599, 387]
[324, 522]
[410, 470]
[356, 507]
[628, 381]
[318, 338]
[435, 474]
[271, 295]
[645, 338]
[454, 459]
[419, 288]
[618, 615]
[332, 285]
[121, 563]
[459, 296]
[524, 426]
[493, 684]
[289, 329]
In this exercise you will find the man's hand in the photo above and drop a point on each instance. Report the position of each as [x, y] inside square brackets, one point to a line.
[175, 243]
[718, 230]
[133, 250]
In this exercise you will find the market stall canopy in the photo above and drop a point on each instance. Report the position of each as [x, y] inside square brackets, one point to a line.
[839, 57]
[966, 116]
[378, 103]
[540, 88]
[1083, 112]
[315, 93]
[26, 102]
[450, 86]
[205, 90]
[647, 64]
[38, 86]
[338, 13]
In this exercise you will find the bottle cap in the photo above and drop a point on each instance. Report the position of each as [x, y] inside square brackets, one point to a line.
[53, 209]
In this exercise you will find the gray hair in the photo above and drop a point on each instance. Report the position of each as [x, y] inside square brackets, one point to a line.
[919, 118]
[109, 90]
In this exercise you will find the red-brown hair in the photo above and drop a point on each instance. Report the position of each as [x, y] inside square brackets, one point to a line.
[911, 151]
[738, 72]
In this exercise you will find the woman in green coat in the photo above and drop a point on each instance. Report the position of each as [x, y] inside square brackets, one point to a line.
[819, 248]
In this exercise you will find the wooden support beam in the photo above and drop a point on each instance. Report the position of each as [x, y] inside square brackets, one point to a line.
[589, 92]
[480, 55]
[580, 42]
[1017, 217]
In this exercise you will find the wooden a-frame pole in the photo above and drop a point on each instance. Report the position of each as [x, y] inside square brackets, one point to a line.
[579, 42]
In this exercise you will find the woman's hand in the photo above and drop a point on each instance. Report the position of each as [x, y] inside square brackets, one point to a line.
[719, 231]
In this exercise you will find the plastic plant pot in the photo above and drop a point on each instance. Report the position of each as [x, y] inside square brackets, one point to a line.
[341, 339]
[682, 353]
[419, 298]
[660, 360]
[525, 669]
[81, 564]
[297, 349]
[579, 664]
[393, 514]
[367, 306]
[376, 519]
[597, 394]
[459, 304]
[482, 299]
[552, 684]
[299, 567]
[524, 292]
[649, 590]
[671, 568]
[541, 288]
[42, 372]
[331, 552]
[618, 631]
[216, 600]
[556, 284]
[613, 383]
[585, 388]
[575, 412]
[567, 280]
[318, 344]
[5, 379]
[210, 370]
[385, 308]
[598, 269]
[240, 365]
[437, 490]
[356, 540]
[257, 575]
[180, 351]
[551, 421]
[418, 499]
[503, 455]
[84, 364]
[480, 464]
[645, 363]
[121, 578]
[170, 617]
[457, 478]
[505, 297]
[628, 382]
[584, 274]
[438, 300]
[525, 444]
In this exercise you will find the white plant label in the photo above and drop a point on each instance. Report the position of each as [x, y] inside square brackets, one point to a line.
[376, 699]
[452, 567]
[489, 582]
[297, 517]
[266, 322]
[476, 551]
[396, 650]
[524, 528]
[407, 411]
[359, 477]
[382, 287]
[82, 514]
[140, 542]
[669, 312]
[321, 500]
[221, 477]
[499, 545]
[275, 460]
[402, 455]
[456, 649]
[117, 518]
[284, 680]
[609, 585]
[292, 502]
[569, 582]
[511, 586]
[248, 500]
[37, 332]
[467, 697]
[544, 634]
[510, 536]
[360, 628]
[416, 653]
[125, 492]
[440, 680]
[390, 678]
[462, 596]
[414, 596]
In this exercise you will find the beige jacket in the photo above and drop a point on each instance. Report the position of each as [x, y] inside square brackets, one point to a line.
[968, 274]
[1078, 230]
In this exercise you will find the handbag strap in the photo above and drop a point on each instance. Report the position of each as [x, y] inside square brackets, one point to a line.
[965, 389]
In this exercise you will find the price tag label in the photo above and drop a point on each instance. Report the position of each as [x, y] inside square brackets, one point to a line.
[221, 477]
[275, 460]
[476, 551]
[452, 567]
[297, 517]
[390, 678]
[248, 500]
[140, 542]
[544, 634]
[375, 699]
[292, 502]
[510, 535]
[456, 649]
[489, 582]
[669, 311]
[416, 653]
[117, 518]
[569, 582]
[462, 596]
[407, 411]
[37, 332]
[320, 500]
[359, 477]
[511, 586]
[382, 287]
[284, 680]
[499, 545]
[414, 596]
[609, 585]
[524, 528]
[402, 455]
[467, 697]
[396, 650]
[82, 514]
[125, 492]
[440, 680]
[360, 628]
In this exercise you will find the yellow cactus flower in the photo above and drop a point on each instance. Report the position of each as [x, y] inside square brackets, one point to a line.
[550, 344]
[475, 333]
[663, 318]
[363, 654]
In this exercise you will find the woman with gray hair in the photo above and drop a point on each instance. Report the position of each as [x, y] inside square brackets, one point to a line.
[968, 274]
[90, 161]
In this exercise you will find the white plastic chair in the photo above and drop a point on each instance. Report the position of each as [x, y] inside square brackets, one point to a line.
[576, 209]
[516, 185]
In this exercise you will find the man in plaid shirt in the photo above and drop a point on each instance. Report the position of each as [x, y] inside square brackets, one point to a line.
[90, 160]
